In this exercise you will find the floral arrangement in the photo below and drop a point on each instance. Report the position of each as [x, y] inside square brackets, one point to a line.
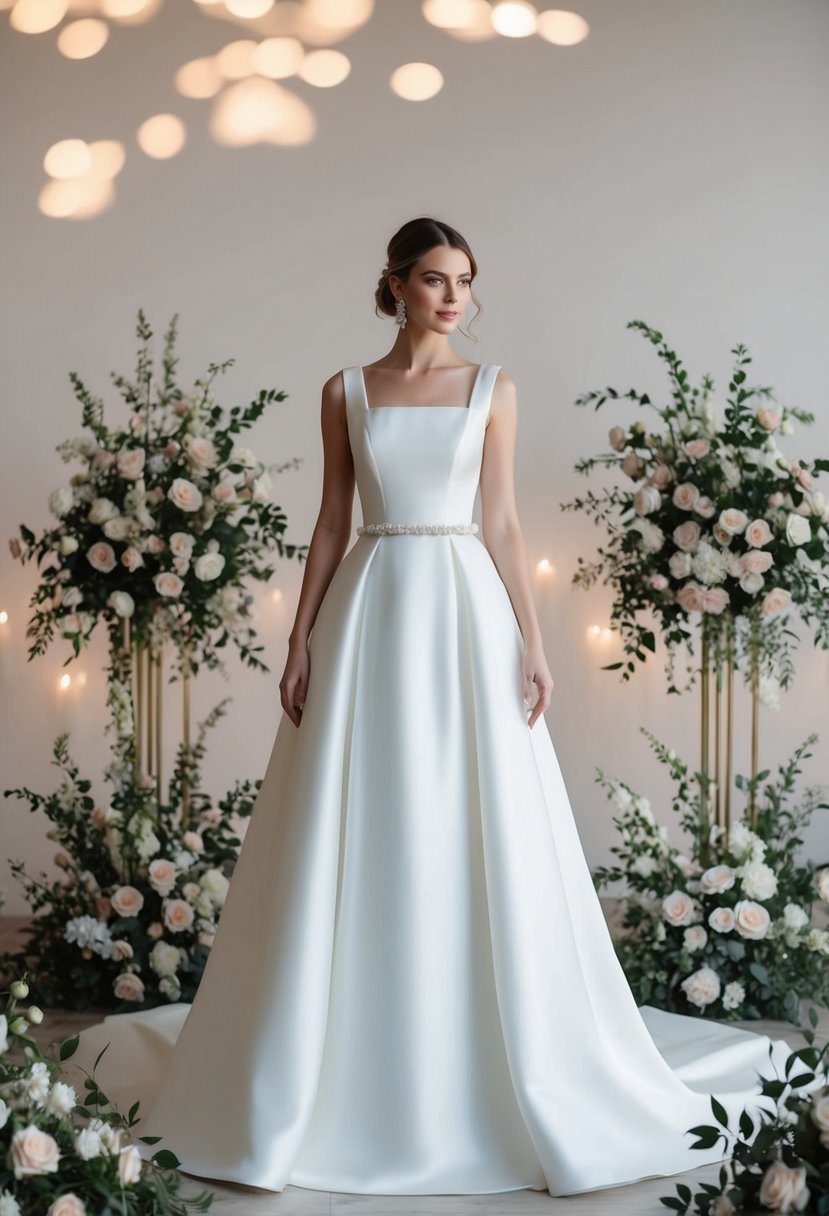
[780, 1162]
[714, 524]
[130, 922]
[63, 1157]
[729, 936]
[166, 519]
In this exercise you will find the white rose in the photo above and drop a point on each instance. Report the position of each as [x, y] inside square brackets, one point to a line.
[680, 564]
[645, 865]
[243, 457]
[122, 603]
[88, 1143]
[208, 566]
[702, 988]
[67, 544]
[129, 1165]
[798, 529]
[751, 919]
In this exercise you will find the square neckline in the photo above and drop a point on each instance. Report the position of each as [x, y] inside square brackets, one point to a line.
[371, 408]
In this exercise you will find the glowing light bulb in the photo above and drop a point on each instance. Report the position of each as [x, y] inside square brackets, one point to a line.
[276, 595]
[4, 616]
[65, 680]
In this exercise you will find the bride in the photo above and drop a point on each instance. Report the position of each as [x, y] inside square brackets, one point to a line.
[413, 989]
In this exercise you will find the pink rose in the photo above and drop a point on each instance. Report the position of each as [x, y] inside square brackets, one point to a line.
[128, 987]
[127, 901]
[758, 533]
[685, 496]
[686, 535]
[722, 920]
[131, 463]
[183, 494]
[784, 1187]
[658, 582]
[756, 561]
[751, 919]
[137, 424]
[704, 507]
[776, 499]
[714, 599]
[167, 583]
[103, 906]
[155, 543]
[697, 447]
[225, 491]
[193, 842]
[101, 556]
[33, 1152]
[207, 937]
[661, 477]
[67, 1204]
[155, 930]
[178, 915]
[632, 466]
[172, 449]
[162, 875]
[678, 908]
[689, 597]
[132, 558]
[211, 816]
[769, 419]
[103, 459]
[733, 520]
[775, 599]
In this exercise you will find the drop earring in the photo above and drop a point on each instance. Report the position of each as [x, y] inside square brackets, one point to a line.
[400, 319]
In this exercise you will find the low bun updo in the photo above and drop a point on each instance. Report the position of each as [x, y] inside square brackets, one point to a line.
[406, 248]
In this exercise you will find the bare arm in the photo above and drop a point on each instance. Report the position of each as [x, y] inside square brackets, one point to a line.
[503, 537]
[329, 541]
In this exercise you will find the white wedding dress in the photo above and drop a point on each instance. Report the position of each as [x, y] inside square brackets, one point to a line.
[413, 989]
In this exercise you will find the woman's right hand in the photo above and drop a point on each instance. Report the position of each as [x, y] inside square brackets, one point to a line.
[294, 683]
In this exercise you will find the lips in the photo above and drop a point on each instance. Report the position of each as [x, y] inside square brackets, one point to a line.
[448, 315]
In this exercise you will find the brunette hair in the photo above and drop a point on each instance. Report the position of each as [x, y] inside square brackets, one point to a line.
[406, 248]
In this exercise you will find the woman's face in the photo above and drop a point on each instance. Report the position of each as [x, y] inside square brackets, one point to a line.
[439, 282]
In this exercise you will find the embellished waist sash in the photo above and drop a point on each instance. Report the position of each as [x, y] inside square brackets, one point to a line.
[387, 529]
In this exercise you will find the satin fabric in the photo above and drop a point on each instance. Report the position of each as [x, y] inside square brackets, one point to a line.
[413, 989]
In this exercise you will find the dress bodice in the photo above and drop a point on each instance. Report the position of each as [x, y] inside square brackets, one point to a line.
[417, 464]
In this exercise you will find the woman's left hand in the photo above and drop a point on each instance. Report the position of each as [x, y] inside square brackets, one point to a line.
[535, 671]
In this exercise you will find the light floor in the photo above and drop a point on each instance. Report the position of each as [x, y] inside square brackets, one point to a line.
[636, 1199]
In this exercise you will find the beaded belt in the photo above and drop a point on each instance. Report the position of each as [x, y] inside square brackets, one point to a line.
[386, 529]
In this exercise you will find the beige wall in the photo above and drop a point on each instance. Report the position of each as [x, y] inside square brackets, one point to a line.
[672, 168]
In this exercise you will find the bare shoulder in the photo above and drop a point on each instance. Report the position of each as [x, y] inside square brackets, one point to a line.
[333, 389]
[504, 393]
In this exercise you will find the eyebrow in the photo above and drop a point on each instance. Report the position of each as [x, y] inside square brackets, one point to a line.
[463, 275]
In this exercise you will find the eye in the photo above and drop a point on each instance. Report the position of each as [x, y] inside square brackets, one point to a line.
[463, 282]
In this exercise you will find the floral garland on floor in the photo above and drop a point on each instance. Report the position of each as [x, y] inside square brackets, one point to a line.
[131, 922]
[734, 939]
[163, 524]
[715, 524]
[780, 1157]
[63, 1157]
